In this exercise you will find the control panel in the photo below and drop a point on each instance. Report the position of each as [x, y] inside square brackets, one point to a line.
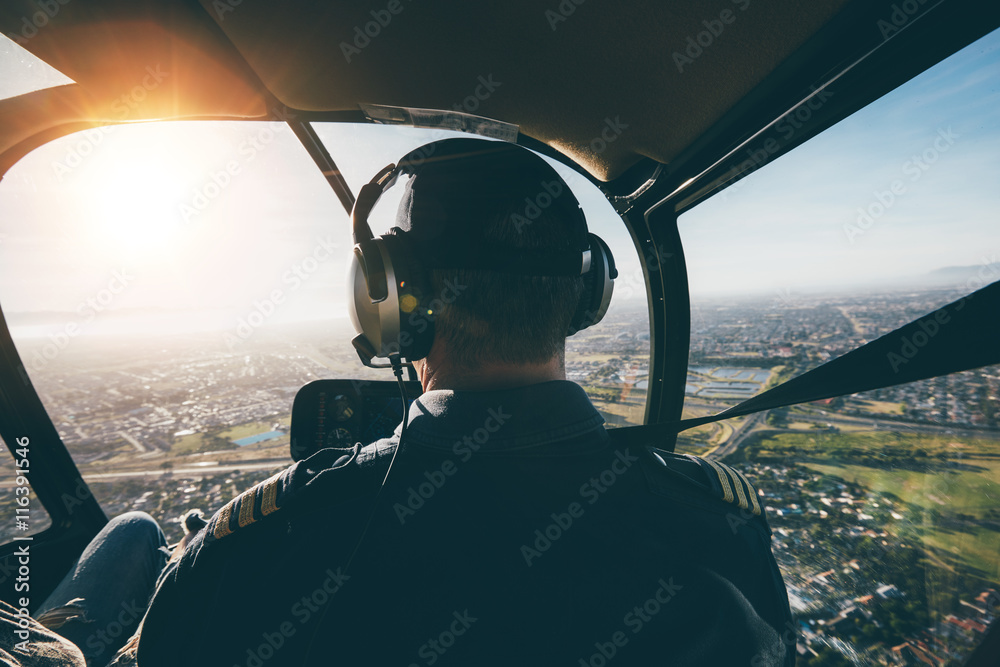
[339, 413]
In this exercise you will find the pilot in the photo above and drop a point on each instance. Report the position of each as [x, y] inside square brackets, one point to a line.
[511, 528]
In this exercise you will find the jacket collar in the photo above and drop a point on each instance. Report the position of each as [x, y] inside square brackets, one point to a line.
[549, 418]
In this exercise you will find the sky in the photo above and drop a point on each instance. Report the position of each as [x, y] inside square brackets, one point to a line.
[232, 222]
[795, 223]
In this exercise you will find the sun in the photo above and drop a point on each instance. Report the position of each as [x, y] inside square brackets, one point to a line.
[138, 213]
[134, 192]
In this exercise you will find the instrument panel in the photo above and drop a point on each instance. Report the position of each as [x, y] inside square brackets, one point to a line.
[339, 413]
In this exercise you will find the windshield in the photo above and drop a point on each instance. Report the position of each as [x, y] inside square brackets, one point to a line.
[171, 286]
[21, 72]
[883, 503]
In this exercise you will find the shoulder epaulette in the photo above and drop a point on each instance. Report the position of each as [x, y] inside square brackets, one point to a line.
[273, 493]
[729, 484]
[733, 485]
[253, 504]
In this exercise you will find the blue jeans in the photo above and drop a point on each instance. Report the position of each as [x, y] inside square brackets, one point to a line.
[116, 576]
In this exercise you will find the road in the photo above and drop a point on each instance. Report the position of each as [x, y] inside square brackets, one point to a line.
[135, 443]
[739, 435]
[874, 423]
[196, 471]
[192, 472]
[754, 421]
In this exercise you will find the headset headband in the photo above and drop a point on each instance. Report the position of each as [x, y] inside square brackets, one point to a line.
[392, 305]
[521, 261]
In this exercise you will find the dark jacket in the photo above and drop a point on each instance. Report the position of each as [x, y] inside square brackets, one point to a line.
[512, 530]
[24, 642]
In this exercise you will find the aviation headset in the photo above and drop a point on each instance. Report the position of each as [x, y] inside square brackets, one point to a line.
[392, 302]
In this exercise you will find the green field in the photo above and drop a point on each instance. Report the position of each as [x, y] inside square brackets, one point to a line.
[203, 442]
[189, 444]
[883, 408]
[945, 496]
[245, 430]
[631, 409]
[969, 492]
[951, 484]
[892, 446]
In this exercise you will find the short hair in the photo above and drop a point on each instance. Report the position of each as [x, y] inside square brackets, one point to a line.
[505, 318]
[468, 195]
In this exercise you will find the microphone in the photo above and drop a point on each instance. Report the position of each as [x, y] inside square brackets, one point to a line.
[366, 352]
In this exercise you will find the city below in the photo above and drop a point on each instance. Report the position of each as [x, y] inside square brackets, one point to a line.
[883, 505]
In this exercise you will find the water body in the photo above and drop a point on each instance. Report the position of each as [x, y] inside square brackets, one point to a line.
[260, 437]
[735, 386]
[725, 393]
[752, 374]
[725, 382]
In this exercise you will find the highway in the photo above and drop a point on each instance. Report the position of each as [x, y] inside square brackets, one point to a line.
[740, 434]
[195, 472]
[873, 423]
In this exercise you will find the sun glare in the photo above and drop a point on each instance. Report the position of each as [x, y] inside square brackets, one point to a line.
[137, 206]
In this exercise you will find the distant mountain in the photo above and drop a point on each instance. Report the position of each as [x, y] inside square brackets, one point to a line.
[40, 317]
[973, 277]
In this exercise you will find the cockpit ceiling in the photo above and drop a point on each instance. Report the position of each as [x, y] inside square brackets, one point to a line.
[604, 82]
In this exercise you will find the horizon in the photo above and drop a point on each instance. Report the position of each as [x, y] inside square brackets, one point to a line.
[794, 231]
[34, 326]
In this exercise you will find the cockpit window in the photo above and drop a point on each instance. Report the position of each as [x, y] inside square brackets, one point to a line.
[20, 71]
[609, 360]
[170, 286]
[883, 504]
[25, 512]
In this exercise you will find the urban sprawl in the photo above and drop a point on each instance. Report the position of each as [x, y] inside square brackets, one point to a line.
[879, 503]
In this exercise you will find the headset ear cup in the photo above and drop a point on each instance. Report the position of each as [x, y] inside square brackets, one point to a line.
[598, 285]
[413, 294]
[367, 312]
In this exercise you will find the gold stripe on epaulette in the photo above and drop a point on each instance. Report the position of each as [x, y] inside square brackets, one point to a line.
[744, 503]
[246, 507]
[222, 522]
[270, 504]
[727, 492]
[751, 491]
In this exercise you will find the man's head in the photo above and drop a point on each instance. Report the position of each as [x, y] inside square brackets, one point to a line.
[472, 199]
